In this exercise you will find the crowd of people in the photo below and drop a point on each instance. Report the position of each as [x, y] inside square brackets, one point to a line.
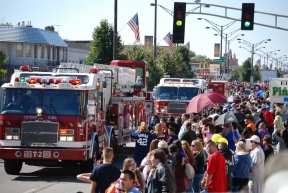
[193, 153]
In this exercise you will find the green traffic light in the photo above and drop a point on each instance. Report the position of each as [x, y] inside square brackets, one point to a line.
[178, 23]
[247, 24]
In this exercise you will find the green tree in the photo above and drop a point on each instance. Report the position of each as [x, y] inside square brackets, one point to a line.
[192, 54]
[256, 73]
[235, 74]
[137, 52]
[3, 59]
[245, 71]
[200, 57]
[101, 50]
[6, 24]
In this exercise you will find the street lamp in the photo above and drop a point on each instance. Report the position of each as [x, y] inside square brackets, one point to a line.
[252, 47]
[219, 29]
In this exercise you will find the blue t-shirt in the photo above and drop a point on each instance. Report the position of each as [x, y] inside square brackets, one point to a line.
[134, 190]
[99, 175]
[231, 143]
[143, 141]
[171, 139]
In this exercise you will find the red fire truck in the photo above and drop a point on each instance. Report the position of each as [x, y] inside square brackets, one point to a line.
[174, 94]
[69, 115]
[220, 87]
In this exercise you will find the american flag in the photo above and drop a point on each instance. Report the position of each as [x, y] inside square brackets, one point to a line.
[168, 39]
[134, 25]
[188, 45]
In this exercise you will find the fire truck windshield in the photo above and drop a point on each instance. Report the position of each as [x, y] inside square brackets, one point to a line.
[53, 102]
[177, 93]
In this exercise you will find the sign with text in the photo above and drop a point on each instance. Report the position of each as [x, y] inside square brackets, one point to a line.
[216, 50]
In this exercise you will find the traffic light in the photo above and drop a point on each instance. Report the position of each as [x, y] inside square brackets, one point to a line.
[179, 22]
[247, 19]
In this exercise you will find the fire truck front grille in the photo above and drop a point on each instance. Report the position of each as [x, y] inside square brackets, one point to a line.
[177, 108]
[41, 134]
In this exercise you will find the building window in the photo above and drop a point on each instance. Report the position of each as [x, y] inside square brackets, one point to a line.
[19, 50]
[42, 52]
[28, 50]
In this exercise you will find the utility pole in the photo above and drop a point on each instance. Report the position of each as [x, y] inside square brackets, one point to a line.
[115, 37]
[155, 31]
[221, 49]
[252, 57]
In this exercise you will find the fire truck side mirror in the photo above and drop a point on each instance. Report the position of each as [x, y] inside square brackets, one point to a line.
[104, 84]
[91, 108]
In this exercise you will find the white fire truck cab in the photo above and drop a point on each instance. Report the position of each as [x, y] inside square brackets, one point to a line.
[172, 95]
[67, 116]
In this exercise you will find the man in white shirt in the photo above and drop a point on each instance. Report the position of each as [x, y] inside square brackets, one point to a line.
[185, 119]
[255, 183]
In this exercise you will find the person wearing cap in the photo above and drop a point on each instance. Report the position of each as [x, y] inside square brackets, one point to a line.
[241, 168]
[249, 121]
[255, 183]
[164, 145]
[229, 160]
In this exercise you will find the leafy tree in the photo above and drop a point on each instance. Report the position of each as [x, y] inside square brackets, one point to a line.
[245, 71]
[6, 24]
[3, 59]
[235, 74]
[256, 73]
[200, 57]
[101, 50]
[137, 52]
[192, 54]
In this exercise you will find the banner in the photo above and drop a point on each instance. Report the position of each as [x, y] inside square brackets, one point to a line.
[216, 50]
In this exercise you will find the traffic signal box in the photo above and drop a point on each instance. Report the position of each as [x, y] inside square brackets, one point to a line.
[179, 22]
[247, 19]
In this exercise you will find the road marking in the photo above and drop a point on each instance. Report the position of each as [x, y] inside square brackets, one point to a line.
[29, 191]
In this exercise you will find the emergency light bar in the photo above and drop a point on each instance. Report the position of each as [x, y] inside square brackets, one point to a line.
[25, 68]
[48, 80]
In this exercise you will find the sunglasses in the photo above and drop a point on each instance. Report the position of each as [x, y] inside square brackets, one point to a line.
[251, 141]
[192, 145]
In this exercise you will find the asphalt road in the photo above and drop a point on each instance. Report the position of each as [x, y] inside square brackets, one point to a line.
[34, 179]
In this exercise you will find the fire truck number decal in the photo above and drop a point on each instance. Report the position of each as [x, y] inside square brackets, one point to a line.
[81, 131]
[142, 141]
[38, 154]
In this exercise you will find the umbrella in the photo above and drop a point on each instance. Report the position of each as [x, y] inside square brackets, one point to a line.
[260, 93]
[230, 117]
[200, 102]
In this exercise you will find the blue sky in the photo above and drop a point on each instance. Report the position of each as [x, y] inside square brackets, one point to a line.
[80, 17]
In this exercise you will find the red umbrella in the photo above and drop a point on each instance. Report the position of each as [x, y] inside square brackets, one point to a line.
[202, 101]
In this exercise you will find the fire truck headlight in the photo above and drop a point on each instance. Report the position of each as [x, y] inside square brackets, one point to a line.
[163, 109]
[63, 138]
[15, 137]
[39, 110]
[70, 138]
[8, 137]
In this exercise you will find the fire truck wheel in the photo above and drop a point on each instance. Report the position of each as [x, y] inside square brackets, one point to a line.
[87, 166]
[13, 166]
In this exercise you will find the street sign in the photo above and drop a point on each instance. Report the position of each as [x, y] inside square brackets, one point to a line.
[221, 60]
